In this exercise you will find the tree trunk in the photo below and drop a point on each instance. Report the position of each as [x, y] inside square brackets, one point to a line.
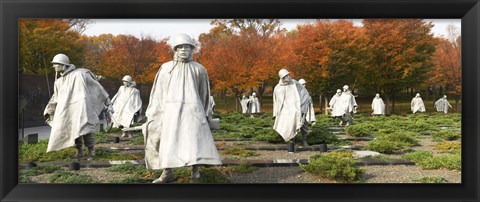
[320, 103]
[393, 104]
[326, 105]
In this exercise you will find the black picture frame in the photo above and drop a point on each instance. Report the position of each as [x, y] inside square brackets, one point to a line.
[467, 10]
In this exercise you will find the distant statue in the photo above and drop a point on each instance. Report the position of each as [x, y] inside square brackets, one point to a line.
[442, 104]
[378, 106]
[291, 103]
[307, 110]
[334, 105]
[126, 104]
[348, 106]
[177, 130]
[74, 108]
[244, 103]
[254, 104]
[417, 104]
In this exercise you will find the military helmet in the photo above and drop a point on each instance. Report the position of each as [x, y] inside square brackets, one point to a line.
[127, 78]
[282, 73]
[181, 39]
[61, 59]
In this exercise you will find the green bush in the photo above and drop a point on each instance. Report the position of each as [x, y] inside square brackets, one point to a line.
[334, 167]
[448, 135]
[238, 152]
[320, 136]
[361, 130]
[418, 156]
[38, 152]
[428, 161]
[451, 147]
[407, 138]
[207, 176]
[243, 168]
[128, 168]
[433, 179]
[269, 135]
[385, 146]
[68, 177]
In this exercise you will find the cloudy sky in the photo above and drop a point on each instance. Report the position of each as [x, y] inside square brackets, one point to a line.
[161, 28]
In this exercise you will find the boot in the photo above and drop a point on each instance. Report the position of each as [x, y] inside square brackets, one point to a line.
[124, 134]
[195, 172]
[304, 140]
[341, 122]
[79, 153]
[166, 177]
[91, 153]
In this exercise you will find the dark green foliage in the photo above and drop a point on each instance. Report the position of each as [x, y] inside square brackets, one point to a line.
[238, 152]
[68, 177]
[448, 135]
[269, 135]
[25, 174]
[385, 146]
[320, 135]
[361, 130]
[334, 167]
[38, 152]
[428, 161]
[433, 179]
[243, 168]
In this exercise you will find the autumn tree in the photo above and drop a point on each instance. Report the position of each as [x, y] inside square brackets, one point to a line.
[139, 58]
[399, 56]
[238, 54]
[327, 54]
[447, 71]
[41, 39]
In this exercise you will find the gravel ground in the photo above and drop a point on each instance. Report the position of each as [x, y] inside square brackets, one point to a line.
[373, 174]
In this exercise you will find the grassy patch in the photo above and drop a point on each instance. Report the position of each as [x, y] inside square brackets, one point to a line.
[447, 135]
[448, 147]
[433, 179]
[243, 168]
[25, 174]
[428, 161]
[38, 152]
[61, 176]
[239, 152]
[334, 167]
[207, 176]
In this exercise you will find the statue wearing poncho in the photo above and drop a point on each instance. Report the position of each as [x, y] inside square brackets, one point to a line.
[177, 131]
[417, 104]
[334, 105]
[126, 103]
[254, 106]
[73, 110]
[244, 103]
[378, 106]
[290, 101]
[442, 105]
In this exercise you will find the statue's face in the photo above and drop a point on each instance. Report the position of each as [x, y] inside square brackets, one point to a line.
[286, 79]
[59, 67]
[184, 51]
[126, 83]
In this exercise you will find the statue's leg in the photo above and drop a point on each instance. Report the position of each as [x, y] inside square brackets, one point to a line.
[78, 146]
[166, 177]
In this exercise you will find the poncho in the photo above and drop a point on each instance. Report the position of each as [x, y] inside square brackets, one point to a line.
[77, 100]
[347, 102]
[177, 133]
[378, 106]
[417, 105]
[442, 105]
[289, 102]
[126, 103]
[244, 104]
[254, 106]
[335, 106]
